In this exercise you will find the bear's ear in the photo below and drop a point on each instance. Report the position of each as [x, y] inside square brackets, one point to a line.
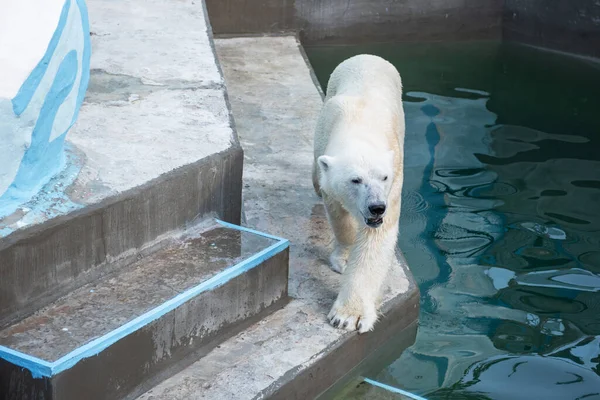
[325, 162]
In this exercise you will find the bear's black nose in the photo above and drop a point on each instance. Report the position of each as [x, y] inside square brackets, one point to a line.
[377, 208]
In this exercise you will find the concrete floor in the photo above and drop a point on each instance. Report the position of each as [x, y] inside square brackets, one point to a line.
[275, 104]
[155, 102]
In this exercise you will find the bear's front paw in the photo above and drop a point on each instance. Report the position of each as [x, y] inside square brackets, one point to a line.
[345, 316]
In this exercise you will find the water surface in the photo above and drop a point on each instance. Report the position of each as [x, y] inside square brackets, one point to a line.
[500, 220]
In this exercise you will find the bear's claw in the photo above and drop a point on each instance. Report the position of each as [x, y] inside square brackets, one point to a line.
[352, 321]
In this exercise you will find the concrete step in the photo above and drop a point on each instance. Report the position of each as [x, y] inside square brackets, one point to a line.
[117, 337]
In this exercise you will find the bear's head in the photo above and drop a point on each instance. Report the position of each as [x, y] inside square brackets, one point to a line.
[361, 183]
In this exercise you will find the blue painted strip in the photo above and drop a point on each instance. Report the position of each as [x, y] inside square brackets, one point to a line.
[43, 158]
[393, 389]
[96, 346]
[36, 366]
[63, 83]
[244, 229]
[26, 91]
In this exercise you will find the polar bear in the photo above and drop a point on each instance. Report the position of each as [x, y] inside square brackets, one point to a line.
[358, 172]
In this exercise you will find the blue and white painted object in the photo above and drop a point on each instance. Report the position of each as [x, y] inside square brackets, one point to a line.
[44, 73]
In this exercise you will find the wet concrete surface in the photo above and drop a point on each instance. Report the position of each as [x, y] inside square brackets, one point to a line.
[98, 308]
[293, 353]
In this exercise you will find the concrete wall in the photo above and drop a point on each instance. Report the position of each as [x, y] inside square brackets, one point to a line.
[339, 21]
[572, 26]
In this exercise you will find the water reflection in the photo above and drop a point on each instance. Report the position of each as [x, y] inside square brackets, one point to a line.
[495, 231]
[500, 220]
[530, 377]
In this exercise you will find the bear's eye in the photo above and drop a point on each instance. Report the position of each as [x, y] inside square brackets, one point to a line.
[357, 181]
[385, 178]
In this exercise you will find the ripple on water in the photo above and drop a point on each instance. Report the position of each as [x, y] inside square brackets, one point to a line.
[413, 203]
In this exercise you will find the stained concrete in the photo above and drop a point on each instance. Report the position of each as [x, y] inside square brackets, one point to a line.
[153, 151]
[367, 21]
[294, 353]
[135, 362]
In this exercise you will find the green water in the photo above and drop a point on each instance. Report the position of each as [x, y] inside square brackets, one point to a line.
[500, 221]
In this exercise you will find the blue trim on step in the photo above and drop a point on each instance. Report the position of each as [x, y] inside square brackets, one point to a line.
[244, 229]
[36, 366]
[393, 389]
[40, 368]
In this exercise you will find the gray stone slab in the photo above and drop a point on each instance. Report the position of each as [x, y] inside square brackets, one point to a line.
[293, 353]
[153, 151]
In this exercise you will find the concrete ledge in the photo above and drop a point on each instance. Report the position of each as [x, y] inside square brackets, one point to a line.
[372, 365]
[116, 337]
[343, 21]
[153, 151]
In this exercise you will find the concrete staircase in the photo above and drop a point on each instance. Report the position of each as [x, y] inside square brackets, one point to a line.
[131, 263]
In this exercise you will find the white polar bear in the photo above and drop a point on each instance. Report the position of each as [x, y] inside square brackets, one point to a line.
[358, 171]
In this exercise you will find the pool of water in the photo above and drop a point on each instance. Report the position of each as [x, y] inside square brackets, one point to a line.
[500, 220]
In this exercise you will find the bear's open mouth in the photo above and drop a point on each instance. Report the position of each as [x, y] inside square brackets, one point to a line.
[374, 222]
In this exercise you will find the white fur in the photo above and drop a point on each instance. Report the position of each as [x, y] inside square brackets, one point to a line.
[360, 135]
